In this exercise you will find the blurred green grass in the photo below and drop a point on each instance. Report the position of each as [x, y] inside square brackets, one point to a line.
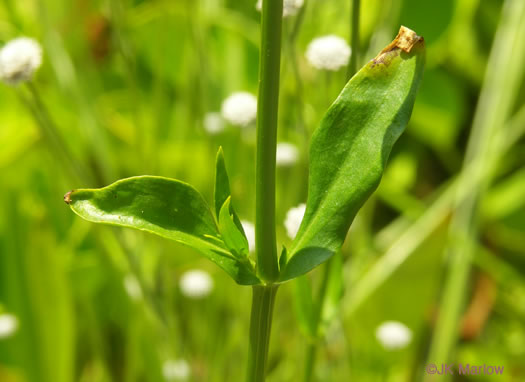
[128, 84]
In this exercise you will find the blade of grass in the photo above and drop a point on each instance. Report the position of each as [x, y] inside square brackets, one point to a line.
[399, 251]
[67, 77]
[408, 236]
[502, 80]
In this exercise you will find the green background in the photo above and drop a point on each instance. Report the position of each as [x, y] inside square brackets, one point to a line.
[128, 84]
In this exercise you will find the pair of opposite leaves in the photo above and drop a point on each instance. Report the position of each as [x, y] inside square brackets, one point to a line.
[348, 153]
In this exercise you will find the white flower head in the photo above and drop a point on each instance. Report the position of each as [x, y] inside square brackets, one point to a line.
[196, 284]
[287, 154]
[293, 220]
[249, 230]
[19, 59]
[393, 335]
[290, 7]
[132, 287]
[328, 52]
[213, 123]
[8, 325]
[240, 109]
[176, 370]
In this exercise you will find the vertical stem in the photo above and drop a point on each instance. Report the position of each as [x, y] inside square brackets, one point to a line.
[260, 328]
[309, 368]
[270, 60]
[296, 72]
[265, 242]
[311, 351]
[354, 58]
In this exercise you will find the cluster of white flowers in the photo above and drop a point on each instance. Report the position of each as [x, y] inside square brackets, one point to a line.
[293, 220]
[287, 154]
[393, 335]
[196, 284]
[8, 325]
[240, 109]
[19, 59]
[328, 53]
[176, 370]
[290, 7]
[132, 287]
[249, 230]
[213, 123]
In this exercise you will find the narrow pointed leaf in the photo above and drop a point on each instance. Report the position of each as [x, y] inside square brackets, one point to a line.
[222, 183]
[283, 258]
[165, 207]
[222, 189]
[349, 150]
[232, 236]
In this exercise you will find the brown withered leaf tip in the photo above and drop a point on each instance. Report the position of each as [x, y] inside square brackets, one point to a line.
[67, 197]
[405, 40]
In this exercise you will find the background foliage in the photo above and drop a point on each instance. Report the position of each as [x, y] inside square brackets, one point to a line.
[128, 83]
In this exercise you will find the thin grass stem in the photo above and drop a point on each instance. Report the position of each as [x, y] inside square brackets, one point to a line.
[354, 58]
[494, 107]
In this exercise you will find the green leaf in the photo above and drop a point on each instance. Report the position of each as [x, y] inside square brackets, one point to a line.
[349, 150]
[283, 258]
[222, 190]
[222, 183]
[165, 207]
[234, 239]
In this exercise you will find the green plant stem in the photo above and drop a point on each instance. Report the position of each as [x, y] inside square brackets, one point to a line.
[292, 51]
[265, 241]
[354, 58]
[311, 351]
[260, 328]
[52, 135]
[268, 100]
[503, 76]
[311, 355]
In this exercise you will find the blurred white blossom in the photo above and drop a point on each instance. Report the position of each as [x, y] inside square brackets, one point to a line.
[19, 59]
[393, 335]
[328, 52]
[8, 325]
[132, 287]
[290, 7]
[293, 220]
[287, 154]
[196, 284]
[249, 230]
[240, 109]
[213, 123]
[176, 370]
